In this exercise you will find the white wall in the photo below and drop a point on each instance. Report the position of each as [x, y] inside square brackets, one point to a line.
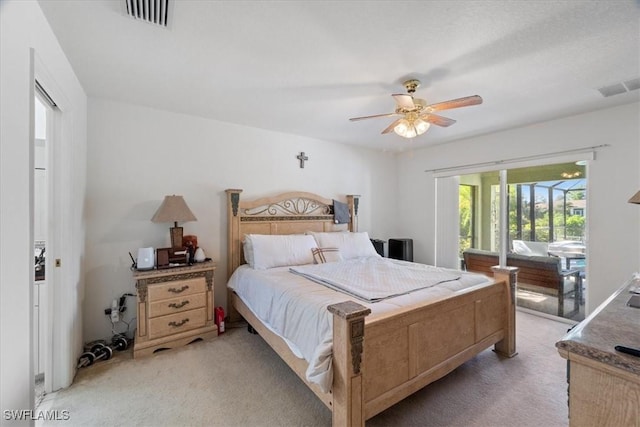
[613, 224]
[137, 155]
[28, 48]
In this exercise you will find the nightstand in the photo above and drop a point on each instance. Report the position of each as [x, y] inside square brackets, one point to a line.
[175, 307]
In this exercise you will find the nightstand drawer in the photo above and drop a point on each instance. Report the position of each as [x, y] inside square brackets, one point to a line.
[175, 323]
[177, 305]
[177, 288]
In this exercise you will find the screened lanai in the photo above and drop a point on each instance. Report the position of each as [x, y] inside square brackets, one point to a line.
[558, 200]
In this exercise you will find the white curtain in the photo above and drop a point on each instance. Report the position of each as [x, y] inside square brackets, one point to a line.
[447, 222]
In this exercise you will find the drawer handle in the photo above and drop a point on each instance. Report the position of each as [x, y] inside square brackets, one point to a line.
[177, 291]
[178, 324]
[180, 305]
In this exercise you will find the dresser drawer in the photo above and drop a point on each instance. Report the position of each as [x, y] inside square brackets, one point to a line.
[178, 322]
[177, 305]
[177, 288]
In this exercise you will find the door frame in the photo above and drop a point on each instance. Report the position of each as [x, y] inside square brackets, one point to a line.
[60, 354]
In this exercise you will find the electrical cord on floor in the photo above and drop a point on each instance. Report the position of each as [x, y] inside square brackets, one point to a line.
[123, 300]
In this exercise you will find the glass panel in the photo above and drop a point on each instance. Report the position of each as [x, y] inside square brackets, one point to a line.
[467, 217]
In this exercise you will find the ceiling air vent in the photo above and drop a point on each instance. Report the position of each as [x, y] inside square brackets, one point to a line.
[611, 90]
[633, 84]
[622, 87]
[152, 11]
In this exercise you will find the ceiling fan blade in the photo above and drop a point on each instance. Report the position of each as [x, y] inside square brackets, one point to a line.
[404, 101]
[438, 120]
[353, 119]
[455, 103]
[391, 126]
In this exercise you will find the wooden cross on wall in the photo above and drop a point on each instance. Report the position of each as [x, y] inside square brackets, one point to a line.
[302, 159]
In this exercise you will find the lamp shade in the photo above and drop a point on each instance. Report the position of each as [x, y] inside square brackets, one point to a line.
[635, 199]
[173, 209]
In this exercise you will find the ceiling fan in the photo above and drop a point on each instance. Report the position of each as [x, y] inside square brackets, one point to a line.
[416, 115]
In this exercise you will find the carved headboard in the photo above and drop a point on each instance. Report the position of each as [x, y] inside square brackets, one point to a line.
[288, 213]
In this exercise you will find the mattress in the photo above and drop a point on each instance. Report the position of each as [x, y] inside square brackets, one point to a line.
[295, 308]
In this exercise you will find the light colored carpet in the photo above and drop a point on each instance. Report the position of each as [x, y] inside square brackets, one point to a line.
[237, 380]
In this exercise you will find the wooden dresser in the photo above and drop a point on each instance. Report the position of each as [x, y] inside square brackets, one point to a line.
[604, 384]
[175, 307]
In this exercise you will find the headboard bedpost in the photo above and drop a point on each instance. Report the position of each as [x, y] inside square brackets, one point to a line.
[233, 245]
[233, 248]
[353, 200]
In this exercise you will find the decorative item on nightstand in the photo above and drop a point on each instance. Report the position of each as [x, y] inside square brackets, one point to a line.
[196, 254]
[199, 255]
[174, 209]
[190, 239]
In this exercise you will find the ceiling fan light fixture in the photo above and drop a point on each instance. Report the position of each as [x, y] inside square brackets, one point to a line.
[402, 128]
[421, 126]
[410, 128]
[411, 132]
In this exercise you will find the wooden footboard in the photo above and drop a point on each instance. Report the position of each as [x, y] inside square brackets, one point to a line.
[405, 351]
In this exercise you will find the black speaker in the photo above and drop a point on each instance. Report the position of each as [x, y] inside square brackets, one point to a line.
[401, 249]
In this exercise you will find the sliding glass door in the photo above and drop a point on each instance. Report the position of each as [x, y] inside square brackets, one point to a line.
[546, 223]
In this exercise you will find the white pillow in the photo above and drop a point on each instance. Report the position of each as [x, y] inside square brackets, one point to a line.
[521, 248]
[324, 255]
[351, 245]
[280, 250]
[247, 248]
[524, 247]
[538, 248]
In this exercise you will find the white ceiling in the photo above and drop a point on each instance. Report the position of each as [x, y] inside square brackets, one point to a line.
[305, 67]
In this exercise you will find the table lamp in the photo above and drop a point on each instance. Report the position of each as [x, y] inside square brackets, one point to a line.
[174, 209]
[635, 199]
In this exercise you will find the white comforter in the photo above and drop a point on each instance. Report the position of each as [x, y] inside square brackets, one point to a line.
[295, 308]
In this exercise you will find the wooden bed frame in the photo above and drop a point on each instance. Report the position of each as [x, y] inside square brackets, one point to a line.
[377, 360]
